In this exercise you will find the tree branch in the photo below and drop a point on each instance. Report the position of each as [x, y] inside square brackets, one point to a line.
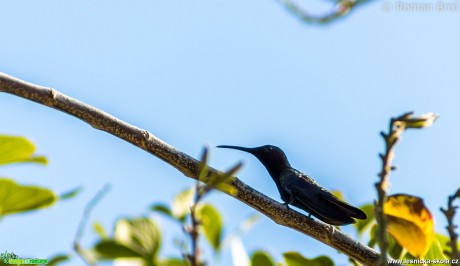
[390, 139]
[397, 126]
[450, 213]
[189, 166]
[339, 9]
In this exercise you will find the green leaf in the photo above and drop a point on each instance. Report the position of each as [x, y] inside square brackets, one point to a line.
[353, 262]
[435, 251]
[212, 224]
[373, 236]
[15, 149]
[70, 194]
[58, 259]
[203, 165]
[182, 203]
[140, 234]
[173, 262]
[443, 240]
[296, 259]
[394, 248]
[261, 258]
[163, 209]
[233, 170]
[16, 198]
[227, 188]
[99, 229]
[338, 194]
[224, 181]
[361, 225]
[226, 177]
[109, 249]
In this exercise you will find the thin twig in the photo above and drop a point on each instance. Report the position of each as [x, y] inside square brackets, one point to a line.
[396, 128]
[194, 228]
[450, 213]
[81, 227]
[189, 166]
[382, 185]
[340, 9]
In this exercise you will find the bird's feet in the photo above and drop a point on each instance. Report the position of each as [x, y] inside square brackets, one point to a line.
[287, 205]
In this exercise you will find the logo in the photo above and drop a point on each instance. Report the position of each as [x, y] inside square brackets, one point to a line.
[420, 6]
[11, 258]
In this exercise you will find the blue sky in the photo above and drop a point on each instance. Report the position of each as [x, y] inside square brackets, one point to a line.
[225, 72]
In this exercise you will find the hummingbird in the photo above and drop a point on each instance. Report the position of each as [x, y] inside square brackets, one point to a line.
[300, 190]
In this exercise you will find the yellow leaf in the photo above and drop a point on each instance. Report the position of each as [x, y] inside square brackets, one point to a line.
[15, 149]
[410, 223]
[16, 198]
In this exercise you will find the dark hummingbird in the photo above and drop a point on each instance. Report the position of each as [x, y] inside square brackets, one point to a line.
[300, 190]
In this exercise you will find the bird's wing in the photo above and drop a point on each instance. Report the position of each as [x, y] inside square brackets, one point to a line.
[315, 199]
[324, 217]
[345, 207]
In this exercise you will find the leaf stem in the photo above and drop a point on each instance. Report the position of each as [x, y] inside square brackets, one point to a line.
[81, 227]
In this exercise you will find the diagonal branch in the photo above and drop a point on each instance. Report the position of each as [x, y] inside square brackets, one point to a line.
[189, 166]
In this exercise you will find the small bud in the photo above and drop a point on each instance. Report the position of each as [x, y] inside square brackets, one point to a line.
[422, 121]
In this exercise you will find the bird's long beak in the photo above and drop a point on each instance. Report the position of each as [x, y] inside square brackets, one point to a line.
[250, 150]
